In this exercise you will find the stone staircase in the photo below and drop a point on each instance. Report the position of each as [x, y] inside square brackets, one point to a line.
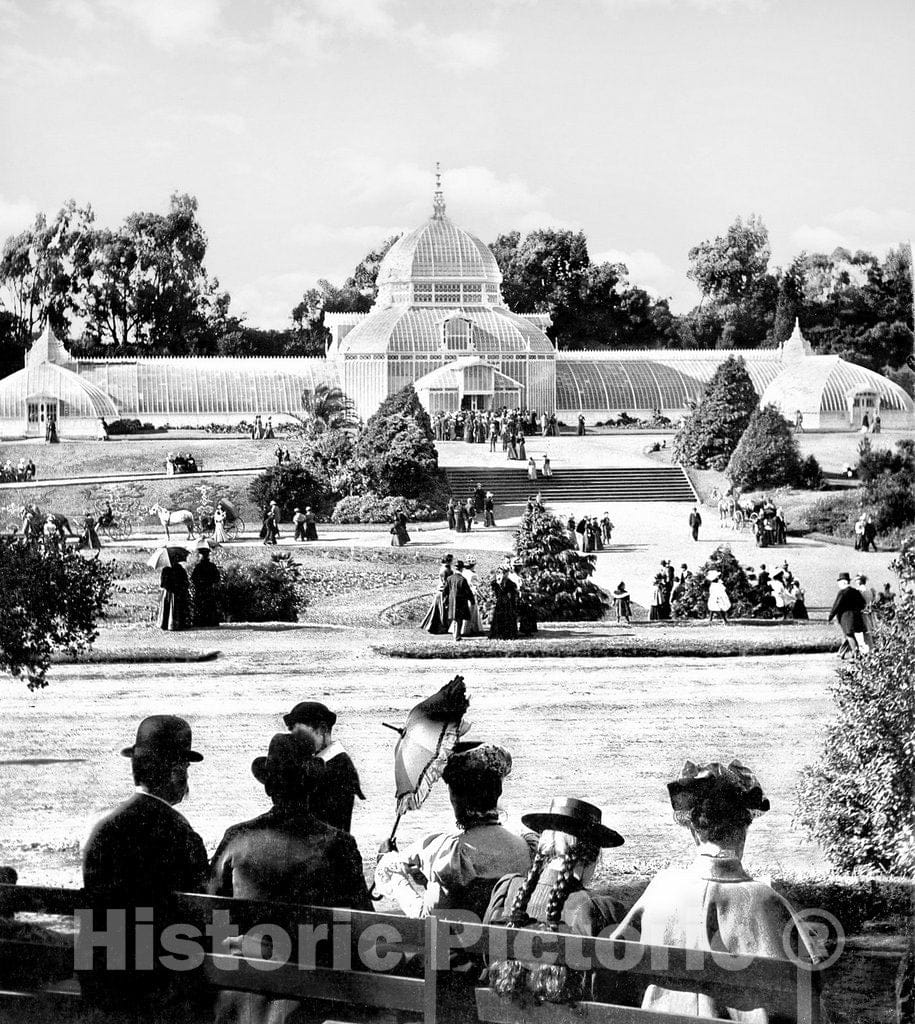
[663, 483]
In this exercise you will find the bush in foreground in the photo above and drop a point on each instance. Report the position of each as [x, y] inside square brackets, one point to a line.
[857, 801]
[261, 591]
[48, 602]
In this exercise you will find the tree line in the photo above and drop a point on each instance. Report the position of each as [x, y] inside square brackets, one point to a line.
[143, 288]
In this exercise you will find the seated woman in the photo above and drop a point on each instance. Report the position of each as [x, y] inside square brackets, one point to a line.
[714, 904]
[457, 870]
[554, 895]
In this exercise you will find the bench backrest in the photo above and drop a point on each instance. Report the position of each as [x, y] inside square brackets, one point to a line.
[358, 951]
[789, 991]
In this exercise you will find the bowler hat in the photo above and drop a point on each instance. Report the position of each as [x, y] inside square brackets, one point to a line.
[578, 818]
[843, 576]
[165, 736]
[310, 712]
[290, 758]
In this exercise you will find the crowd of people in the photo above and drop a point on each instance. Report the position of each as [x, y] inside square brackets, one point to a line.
[504, 426]
[455, 607]
[768, 522]
[588, 533]
[21, 472]
[178, 463]
[262, 430]
[462, 516]
[536, 874]
[282, 455]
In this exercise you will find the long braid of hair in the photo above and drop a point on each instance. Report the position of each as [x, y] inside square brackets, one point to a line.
[517, 914]
[508, 978]
[560, 889]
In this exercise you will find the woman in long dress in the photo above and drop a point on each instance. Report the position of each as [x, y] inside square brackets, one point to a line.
[504, 623]
[513, 447]
[205, 589]
[219, 525]
[522, 452]
[715, 904]
[449, 512]
[311, 524]
[547, 467]
[174, 598]
[436, 620]
[622, 603]
[658, 599]
[718, 601]
[473, 626]
[89, 537]
[460, 518]
[531, 469]
[399, 535]
[798, 606]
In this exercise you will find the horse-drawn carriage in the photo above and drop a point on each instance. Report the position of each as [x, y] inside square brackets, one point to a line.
[232, 525]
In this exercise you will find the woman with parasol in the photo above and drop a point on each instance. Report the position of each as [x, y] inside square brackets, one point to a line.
[174, 592]
[457, 870]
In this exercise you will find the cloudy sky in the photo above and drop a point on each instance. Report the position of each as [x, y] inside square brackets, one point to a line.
[309, 129]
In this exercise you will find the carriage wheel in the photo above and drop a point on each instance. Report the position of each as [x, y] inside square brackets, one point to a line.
[120, 530]
[231, 529]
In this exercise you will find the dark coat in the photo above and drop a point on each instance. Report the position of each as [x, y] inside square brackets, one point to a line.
[848, 608]
[460, 597]
[204, 585]
[174, 598]
[504, 625]
[333, 800]
[137, 856]
[290, 855]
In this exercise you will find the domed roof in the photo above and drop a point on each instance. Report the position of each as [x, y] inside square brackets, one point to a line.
[77, 397]
[439, 250]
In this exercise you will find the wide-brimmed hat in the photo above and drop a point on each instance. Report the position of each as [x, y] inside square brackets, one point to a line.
[165, 736]
[482, 759]
[697, 781]
[290, 758]
[310, 712]
[577, 818]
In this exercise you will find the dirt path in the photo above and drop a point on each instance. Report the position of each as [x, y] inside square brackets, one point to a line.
[609, 732]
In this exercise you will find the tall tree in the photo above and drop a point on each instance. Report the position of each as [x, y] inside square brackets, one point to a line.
[708, 436]
[730, 267]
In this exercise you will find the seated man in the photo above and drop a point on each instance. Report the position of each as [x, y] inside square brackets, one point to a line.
[134, 859]
[287, 855]
[458, 870]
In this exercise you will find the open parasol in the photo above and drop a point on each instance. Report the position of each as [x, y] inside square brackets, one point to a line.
[164, 558]
[427, 739]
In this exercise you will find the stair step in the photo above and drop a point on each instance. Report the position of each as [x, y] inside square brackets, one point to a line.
[627, 483]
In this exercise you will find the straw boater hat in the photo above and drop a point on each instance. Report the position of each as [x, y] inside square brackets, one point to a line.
[735, 782]
[577, 818]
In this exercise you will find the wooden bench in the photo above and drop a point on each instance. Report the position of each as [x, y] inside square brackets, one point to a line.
[428, 991]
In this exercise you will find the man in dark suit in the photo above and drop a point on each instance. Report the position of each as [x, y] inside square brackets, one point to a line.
[695, 521]
[460, 600]
[848, 608]
[334, 794]
[134, 859]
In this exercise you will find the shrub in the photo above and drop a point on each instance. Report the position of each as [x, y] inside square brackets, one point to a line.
[811, 474]
[405, 403]
[397, 457]
[857, 802]
[290, 486]
[889, 484]
[693, 602]
[556, 580]
[261, 591]
[370, 508]
[707, 438]
[128, 426]
[48, 602]
[767, 454]
[834, 515]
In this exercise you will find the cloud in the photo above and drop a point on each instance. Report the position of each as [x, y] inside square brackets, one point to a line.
[22, 66]
[170, 23]
[649, 271]
[82, 13]
[719, 6]
[350, 236]
[454, 50]
[858, 227]
[229, 121]
[15, 216]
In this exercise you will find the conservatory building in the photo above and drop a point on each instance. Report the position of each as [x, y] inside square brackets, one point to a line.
[440, 323]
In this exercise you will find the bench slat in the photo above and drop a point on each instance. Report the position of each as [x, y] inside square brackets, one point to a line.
[495, 1010]
[289, 982]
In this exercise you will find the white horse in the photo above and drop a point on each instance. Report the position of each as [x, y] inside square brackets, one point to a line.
[180, 517]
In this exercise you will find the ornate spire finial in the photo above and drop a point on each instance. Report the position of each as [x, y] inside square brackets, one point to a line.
[438, 197]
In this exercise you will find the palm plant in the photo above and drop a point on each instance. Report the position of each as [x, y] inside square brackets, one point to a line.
[326, 408]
